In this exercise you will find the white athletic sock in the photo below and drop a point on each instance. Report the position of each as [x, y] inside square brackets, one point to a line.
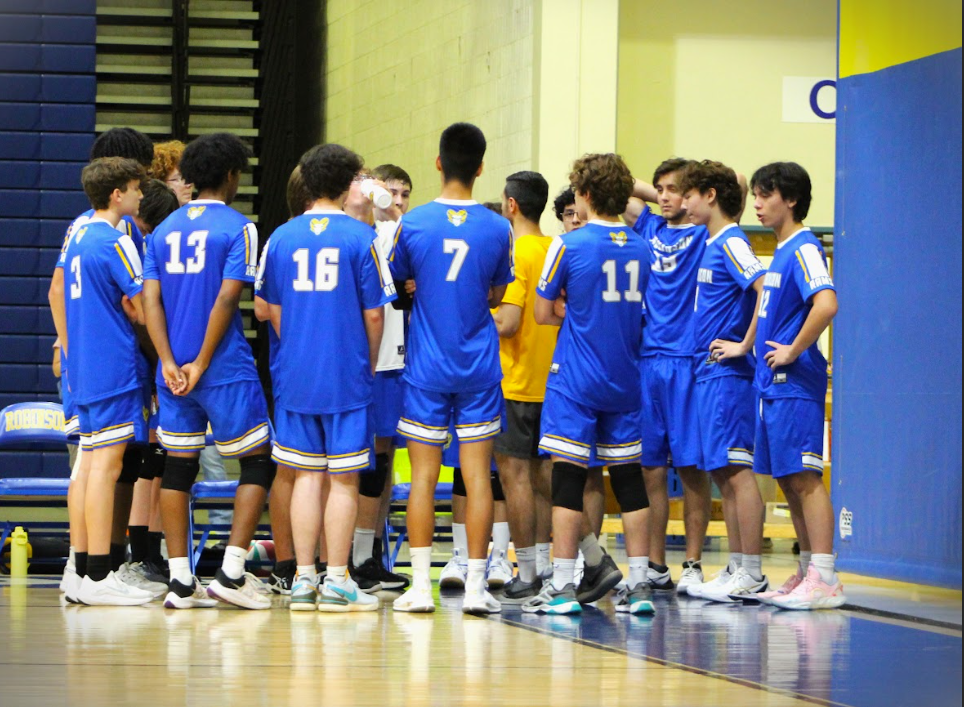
[591, 550]
[500, 538]
[181, 570]
[563, 572]
[475, 579]
[71, 559]
[804, 564]
[638, 567]
[824, 565]
[306, 572]
[421, 565]
[752, 564]
[339, 575]
[543, 550]
[526, 559]
[233, 563]
[362, 545]
[736, 561]
[460, 542]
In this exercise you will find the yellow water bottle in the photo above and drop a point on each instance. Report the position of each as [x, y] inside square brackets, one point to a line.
[18, 553]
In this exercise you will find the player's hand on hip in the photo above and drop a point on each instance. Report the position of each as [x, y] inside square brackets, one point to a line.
[781, 355]
[721, 349]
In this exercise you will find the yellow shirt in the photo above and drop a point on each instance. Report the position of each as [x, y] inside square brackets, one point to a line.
[527, 355]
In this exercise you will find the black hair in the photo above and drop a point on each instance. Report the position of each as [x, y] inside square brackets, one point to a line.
[328, 170]
[158, 203]
[788, 178]
[673, 164]
[209, 159]
[461, 149]
[124, 142]
[493, 206]
[392, 173]
[530, 191]
[566, 197]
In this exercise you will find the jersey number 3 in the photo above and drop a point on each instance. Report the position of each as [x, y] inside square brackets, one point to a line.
[194, 264]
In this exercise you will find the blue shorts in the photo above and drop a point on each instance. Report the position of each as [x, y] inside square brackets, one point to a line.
[237, 412]
[450, 451]
[669, 421]
[120, 419]
[569, 430]
[71, 420]
[789, 437]
[387, 393]
[427, 414]
[337, 442]
[726, 408]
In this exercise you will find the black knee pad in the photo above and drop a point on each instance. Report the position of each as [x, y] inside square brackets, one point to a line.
[628, 487]
[568, 484]
[372, 483]
[152, 464]
[458, 483]
[257, 469]
[180, 473]
[497, 493]
[131, 465]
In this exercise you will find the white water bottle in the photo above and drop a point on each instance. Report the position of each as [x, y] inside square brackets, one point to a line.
[379, 196]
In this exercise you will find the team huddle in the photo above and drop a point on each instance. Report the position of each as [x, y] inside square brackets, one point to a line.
[634, 341]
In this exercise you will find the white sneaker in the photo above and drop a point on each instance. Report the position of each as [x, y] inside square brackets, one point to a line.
[478, 601]
[70, 584]
[739, 583]
[67, 581]
[134, 574]
[183, 596]
[692, 575]
[718, 580]
[111, 592]
[499, 571]
[256, 582]
[240, 592]
[341, 597]
[454, 573]
[417, 600]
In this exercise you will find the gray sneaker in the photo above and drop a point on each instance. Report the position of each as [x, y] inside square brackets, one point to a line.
[598, 581]
[518, 592]
[554, 601]
[637, 601]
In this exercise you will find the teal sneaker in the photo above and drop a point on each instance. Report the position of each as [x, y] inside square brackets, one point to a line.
[637, 601]
[554, 601]
[304, 594]
[340, 597]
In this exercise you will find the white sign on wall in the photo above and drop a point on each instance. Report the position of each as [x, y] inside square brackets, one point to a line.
[809, 99]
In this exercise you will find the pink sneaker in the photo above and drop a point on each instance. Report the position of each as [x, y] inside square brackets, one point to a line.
[812, 593]
[792, 581]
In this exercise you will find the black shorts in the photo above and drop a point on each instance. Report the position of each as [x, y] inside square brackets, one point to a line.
[520, 437]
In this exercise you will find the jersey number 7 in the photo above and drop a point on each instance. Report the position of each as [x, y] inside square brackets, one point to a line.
[461, 249]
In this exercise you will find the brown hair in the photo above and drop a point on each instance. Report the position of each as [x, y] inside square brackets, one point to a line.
[167, 156]
[605, 179]
[706, 175]
[297, 195]
[105, 174]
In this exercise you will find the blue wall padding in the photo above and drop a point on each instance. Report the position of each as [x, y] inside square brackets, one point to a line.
[62, 58]
[63, 204]
[50, 117]
[27, 261]
[26, 320]
[46, 464]
[897, 339]
[18, 348]
[67, 146]
[44, 233]
[53, 7]
[31, 290]
[19, 145]
[23, 174]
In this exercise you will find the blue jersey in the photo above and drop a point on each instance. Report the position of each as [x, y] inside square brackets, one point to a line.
[797, 273]
[126, 226]
[725, 301]
[322, 268]
[676, 254]
[604, 268]
[455, 251]
[101, 266]
[190, 254]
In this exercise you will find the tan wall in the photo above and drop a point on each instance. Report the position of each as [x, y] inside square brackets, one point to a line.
[399, 73]
[704, 79]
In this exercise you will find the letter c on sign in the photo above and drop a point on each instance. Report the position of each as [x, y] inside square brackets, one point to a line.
[814, 92]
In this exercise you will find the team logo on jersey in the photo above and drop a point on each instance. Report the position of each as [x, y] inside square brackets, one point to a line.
[195, 211]
[318, 225]
[146, 413]
[81, 232]
[619, 237]
[457, 218]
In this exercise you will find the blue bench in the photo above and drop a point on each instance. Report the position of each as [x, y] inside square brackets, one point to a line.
[400, 494]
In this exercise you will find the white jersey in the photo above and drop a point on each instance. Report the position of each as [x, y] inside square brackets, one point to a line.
[391, 354]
